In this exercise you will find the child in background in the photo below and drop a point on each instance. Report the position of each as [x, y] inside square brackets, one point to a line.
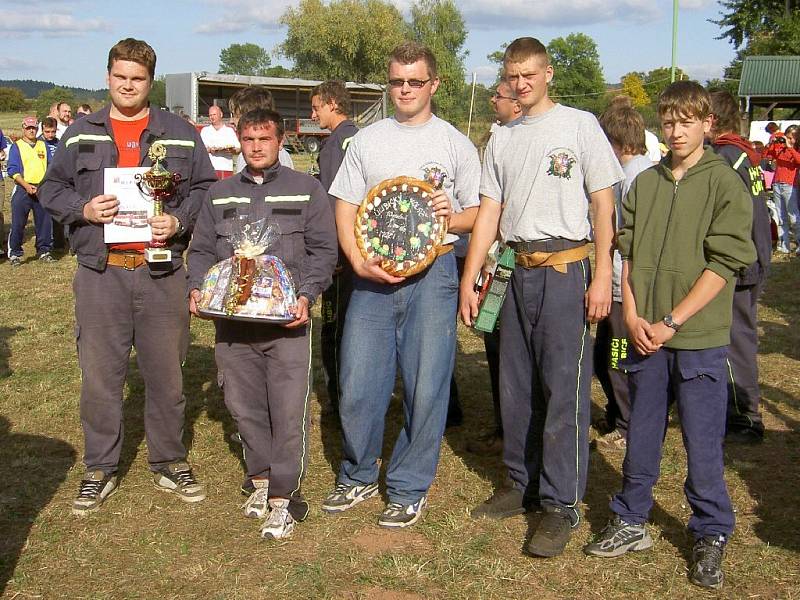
[782, 149]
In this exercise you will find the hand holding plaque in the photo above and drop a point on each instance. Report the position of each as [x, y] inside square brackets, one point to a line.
[396, 222]
[157, 183]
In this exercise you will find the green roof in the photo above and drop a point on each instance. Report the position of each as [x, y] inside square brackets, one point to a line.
[775, 76]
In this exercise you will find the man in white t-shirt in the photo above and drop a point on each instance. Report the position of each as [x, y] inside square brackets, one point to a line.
[221, 142]
[405, 322]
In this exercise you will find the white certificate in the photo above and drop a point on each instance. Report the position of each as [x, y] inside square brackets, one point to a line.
[135, 207]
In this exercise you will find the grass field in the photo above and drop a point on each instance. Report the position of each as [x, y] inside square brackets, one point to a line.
[144, 544]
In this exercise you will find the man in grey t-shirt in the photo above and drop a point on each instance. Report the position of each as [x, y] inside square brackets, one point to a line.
[395, 321]
[539, 175]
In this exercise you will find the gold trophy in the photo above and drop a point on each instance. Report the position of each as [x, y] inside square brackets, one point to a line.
[157, 183]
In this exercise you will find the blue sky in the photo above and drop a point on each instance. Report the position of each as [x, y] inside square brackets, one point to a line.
[67, 41]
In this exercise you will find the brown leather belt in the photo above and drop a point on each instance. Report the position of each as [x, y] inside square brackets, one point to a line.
[558, 260]
[130, 261]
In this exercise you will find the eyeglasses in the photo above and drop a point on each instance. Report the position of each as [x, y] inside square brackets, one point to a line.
[414, 83]
[30, 127]
[499, 97]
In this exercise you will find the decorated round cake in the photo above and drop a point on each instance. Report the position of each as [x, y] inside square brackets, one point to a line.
[396, 223]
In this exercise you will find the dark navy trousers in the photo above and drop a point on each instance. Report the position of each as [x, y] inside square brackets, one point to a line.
[698, 382]
[545, 374]
[21, 205]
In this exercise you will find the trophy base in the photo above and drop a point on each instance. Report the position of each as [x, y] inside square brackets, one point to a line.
[157, 255]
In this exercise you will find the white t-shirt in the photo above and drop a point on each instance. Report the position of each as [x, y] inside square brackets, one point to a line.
[224, 137]
[389, 149]
[543, 168]
[653, 146]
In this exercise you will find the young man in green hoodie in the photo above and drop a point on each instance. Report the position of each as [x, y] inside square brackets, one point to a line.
[685, 238]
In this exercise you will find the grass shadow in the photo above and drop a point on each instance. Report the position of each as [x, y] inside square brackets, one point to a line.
[32, 467]
[6, 333]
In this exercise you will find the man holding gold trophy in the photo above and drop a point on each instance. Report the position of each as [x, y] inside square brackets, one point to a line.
[129, 291]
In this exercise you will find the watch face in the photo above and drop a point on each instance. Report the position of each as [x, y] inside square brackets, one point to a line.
[396, 223]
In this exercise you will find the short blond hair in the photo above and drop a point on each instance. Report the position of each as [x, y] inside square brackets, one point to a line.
[521, 49]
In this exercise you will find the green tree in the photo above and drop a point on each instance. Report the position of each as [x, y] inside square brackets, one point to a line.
[12, 98]
[244, 59]
[49, 97]
[343, 39]
[656, 80]
[158, 93]
[578, 76]
[633, 87]
[439, 25]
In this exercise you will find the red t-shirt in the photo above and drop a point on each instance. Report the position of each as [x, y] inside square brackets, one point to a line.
[127, 135]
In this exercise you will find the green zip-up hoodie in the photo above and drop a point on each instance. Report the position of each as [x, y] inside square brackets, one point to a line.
[674, 230]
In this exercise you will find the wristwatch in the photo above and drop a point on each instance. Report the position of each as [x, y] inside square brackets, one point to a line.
[669, 322]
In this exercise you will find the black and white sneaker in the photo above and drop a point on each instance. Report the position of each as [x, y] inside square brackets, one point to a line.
[46, 257]
[344, 496]
[178, 479]
[402, 515]
[619, 537]
[707, 556]
[94, 489]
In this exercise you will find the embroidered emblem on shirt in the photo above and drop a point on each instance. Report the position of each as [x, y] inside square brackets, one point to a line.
[434, 175]
[561, 165]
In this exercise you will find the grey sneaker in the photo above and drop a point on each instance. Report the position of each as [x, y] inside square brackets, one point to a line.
[707, 556]
[619, 537]
[257, 505]
[344, 496]
[15, 261]
[614, 441]
[279, 525]
[46, 257]
[397, 515]
[95, 488]
[178, 479]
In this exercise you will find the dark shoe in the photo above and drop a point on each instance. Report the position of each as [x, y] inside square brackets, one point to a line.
[344, 496]
[178, 479]
[706, 568]
[552, 534]
[95, 488]
[504, 503]
[489, 444]
[746, 435]
[619, 537]
[396, 515]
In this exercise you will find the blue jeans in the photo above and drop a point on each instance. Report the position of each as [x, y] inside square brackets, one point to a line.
[412, 325]
[786, 199]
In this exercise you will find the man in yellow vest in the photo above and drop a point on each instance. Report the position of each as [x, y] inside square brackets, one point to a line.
[27, 163]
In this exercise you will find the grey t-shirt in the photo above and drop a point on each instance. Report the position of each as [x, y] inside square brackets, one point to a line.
[389, 149]
[631, 169]
[543, 168]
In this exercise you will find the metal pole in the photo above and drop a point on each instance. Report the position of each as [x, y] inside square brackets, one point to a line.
[674, 39]
[471, 104]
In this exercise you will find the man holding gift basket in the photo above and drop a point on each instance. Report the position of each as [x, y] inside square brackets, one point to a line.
[263, 331]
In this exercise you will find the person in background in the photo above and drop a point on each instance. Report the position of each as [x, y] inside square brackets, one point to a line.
[64, 118]
[782, 149]
[330, 108]
[83, 110]
[221, 143]
[250, 98]
[27, 163]
[3, 156]
[744, 423]
[49, 130]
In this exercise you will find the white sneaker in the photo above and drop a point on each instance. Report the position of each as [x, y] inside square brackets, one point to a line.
[279, 524]
[257, 505]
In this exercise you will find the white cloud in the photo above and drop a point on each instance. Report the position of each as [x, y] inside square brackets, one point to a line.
[235, 16]
[21, 23]
[17, 64]
[485, 74]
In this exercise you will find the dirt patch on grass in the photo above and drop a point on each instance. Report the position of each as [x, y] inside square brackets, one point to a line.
[376, 541]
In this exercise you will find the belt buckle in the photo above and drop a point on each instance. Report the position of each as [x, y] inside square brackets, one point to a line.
[129, 262]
